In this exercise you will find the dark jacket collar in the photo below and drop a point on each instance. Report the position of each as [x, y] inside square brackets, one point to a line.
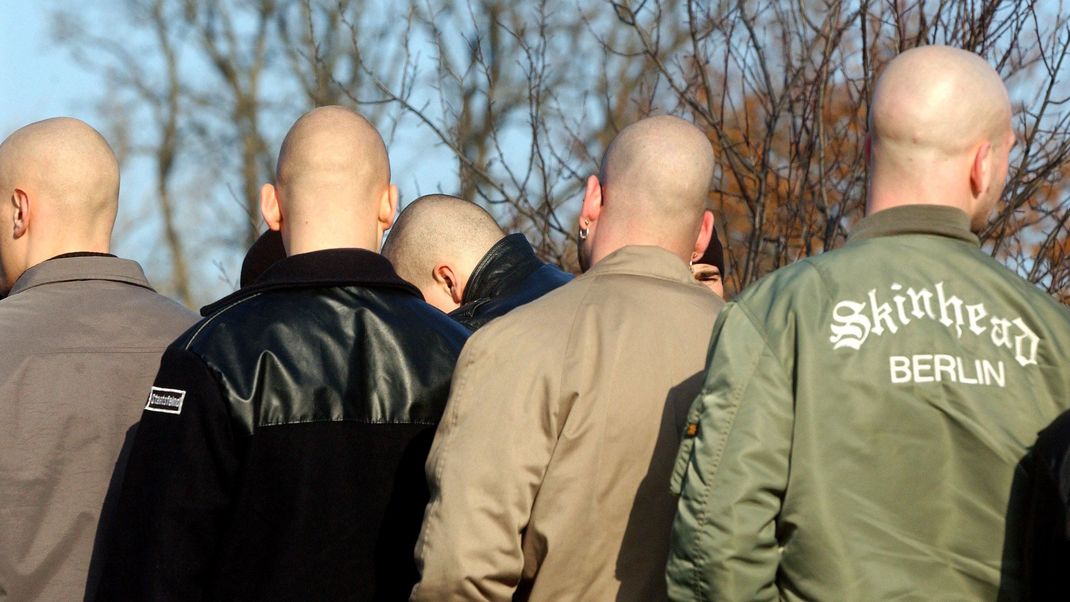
[510, 260]
[81, 254]
[938, 220]
[81, 267]
[330, 267]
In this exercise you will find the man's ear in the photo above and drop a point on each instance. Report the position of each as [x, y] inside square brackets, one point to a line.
[705, 232]
[981, 169]
[444, 276]
[592, 202]
[20, 214]
[388, 208]
[269, 207]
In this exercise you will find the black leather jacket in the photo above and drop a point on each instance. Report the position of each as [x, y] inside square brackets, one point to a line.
[284, 456]
[1045, 520]
[508, 276]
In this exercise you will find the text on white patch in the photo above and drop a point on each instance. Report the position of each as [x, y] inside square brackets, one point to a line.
[939, 367]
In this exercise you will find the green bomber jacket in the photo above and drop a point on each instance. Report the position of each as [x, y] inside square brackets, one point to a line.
[862, 419]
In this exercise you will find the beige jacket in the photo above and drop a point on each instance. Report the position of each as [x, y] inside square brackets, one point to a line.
[80, 342]
[550, 471]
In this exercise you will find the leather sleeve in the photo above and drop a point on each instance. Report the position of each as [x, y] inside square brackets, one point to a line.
[176, 489]
[732, 470]
[486, 464]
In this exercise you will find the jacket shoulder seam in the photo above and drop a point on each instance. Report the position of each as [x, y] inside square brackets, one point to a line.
[701, 501]
[577, 310]
[209, 319]
[736, 402]
[763, 335]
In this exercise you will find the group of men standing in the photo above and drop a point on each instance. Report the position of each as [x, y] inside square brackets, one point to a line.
[857, 428]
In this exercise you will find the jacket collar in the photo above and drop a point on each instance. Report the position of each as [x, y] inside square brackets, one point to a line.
[496, 271]
[639, 260]
[72, 268]
[330, 267]
[938, 220]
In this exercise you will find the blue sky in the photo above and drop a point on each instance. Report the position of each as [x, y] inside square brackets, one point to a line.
[39, 79]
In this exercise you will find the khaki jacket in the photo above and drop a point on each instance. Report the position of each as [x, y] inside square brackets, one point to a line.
[861, 425]
[549, 471]
[80, 341]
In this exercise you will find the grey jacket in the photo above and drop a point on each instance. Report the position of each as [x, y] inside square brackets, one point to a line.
[80, 342]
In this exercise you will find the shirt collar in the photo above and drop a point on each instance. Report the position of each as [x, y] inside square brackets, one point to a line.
[936, 220]
[81, 267]
[326, 268]
[642, 260]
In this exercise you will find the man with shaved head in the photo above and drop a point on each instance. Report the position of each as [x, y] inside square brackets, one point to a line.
[463, 262]
[864, 410]
[81, 334]
[548, 473]
[280, 456]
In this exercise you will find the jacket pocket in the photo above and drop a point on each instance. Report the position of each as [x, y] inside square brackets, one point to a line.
[687, 445]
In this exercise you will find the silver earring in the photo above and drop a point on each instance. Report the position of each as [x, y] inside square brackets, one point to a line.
[584, 230]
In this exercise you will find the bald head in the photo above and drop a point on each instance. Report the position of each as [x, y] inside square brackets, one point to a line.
[332, 183]
[652, 188]
[436, 244]
[60, 185]
[934, 109]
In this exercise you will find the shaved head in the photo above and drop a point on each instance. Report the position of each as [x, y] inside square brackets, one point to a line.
[933, 109]
[60, 193]
[652, 189]
[331, 182]
[439, 230]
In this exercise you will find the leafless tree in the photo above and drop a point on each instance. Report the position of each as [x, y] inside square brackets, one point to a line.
[211, 86]
[159, 95]
[783, 90]
[514, 92]
[524, 97]
[234, 38]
